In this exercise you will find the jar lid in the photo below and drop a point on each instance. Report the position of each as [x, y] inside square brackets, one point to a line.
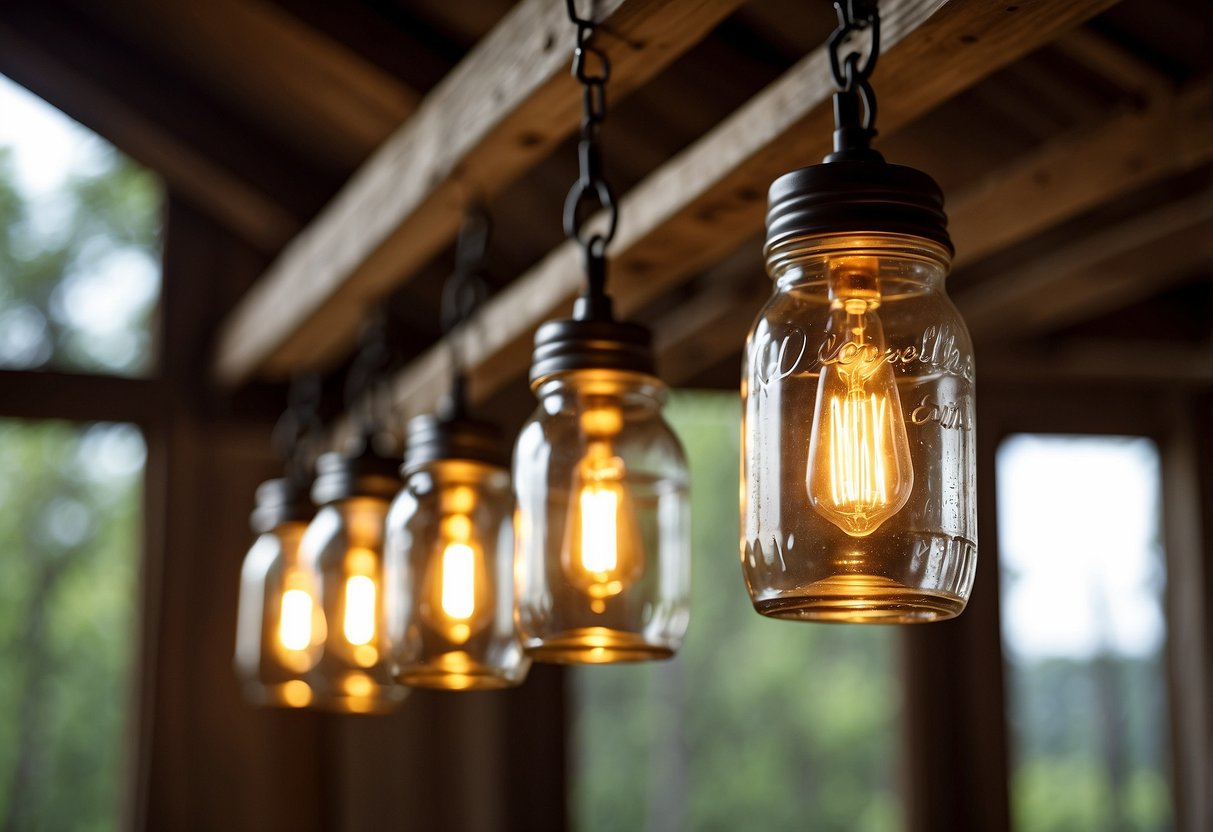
[853, 195]
[280, 501]
[362, 473]
[432, 438]
[594, 344]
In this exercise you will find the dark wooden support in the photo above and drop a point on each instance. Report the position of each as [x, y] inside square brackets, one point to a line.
[954, 734]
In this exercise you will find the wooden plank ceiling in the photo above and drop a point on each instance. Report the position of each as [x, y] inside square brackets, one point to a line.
[342, 142]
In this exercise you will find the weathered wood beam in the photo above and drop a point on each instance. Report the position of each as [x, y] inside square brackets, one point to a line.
[1090, 359]
[1118, 65]
[306, 87]
[496, 115]
[709, 199]
[1075, 173]
[217, 162]
[1090, 275]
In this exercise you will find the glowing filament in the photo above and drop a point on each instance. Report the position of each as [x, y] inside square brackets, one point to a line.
[599, 517]
[295, 620]
[458, 581]
[858, 448]
[359, 610]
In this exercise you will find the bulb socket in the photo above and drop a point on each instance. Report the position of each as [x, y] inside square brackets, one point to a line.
[854, 193]
[595, 344]
[432, 438]
[280, 501]
[364, 473]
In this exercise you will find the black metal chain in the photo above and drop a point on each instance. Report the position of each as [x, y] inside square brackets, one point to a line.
[592, 69]
[463, 293]
[367, 371]
[853, 70]
[298, 431]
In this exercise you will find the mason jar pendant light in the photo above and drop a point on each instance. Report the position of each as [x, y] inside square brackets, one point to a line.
[858, 456]
[601, 480]
[343, 549]
[279, 628]
[449, 568]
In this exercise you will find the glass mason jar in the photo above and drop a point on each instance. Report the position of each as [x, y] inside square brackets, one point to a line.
[603, 554]
[278, 630]
[449, 568]
[858, 453]
[343, 549]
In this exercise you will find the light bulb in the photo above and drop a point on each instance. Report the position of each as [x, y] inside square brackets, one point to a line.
[603, 553]
[859, 470]
[458, 598]
[360, 606]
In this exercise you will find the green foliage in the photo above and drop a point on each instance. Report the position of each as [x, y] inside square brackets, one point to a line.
[757, 723]
[69, 534]
[78, 280]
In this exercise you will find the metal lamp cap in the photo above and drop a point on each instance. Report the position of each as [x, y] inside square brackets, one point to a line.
[364, 474]
[432, 438]
[595, 344]
[856, 195]
[280, 501]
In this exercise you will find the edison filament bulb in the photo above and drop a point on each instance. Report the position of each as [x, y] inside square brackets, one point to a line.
[859, 469]
[279, 629]
[342, 550]
[449, 570]
[603, 552]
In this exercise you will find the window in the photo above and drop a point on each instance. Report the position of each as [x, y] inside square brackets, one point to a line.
[79, 259]
[1083, 629]
[69, 543]
[757, 724]
[79, 281]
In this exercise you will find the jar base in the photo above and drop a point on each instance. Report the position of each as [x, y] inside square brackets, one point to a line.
[472, 679]
[594, 645]
[862, 599]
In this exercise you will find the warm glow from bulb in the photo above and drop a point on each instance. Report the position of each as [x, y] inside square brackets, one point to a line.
[858, 448]
[458, 580]
[359, 609]
[458, 593]
[859, 472]
[296, 693]
[599, 510]
[295, 620]
[603, 552]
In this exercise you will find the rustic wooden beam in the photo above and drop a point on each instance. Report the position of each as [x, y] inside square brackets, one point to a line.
[1092, 274]
[709, 199]
[78, 397]
[496, 115]
[217, 162]
[311, 90]
[1075, 173]
[1102, 360]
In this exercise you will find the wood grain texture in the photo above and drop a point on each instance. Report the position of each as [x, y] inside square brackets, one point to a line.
[312, 91]
[1094, 274]
[145, 134]
[498, 113]
[709, 199]
[1075, 173]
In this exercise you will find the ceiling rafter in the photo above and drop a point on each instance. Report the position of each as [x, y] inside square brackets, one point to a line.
[496, 115]
[1173, 132]
[313, 91]
[708, 200]
[148, 130]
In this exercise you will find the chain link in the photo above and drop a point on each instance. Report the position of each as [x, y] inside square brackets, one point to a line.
[299, 428]
[592, 69]
[467, 288]
[853, 70]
